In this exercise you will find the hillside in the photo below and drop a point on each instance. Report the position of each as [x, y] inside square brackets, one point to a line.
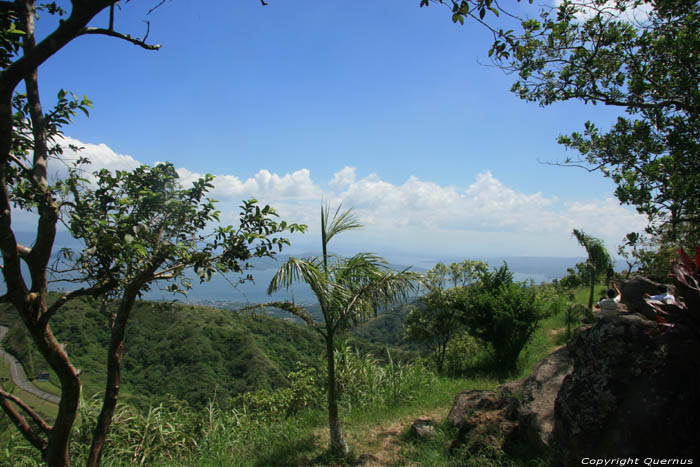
[190, 352]
[195, 352]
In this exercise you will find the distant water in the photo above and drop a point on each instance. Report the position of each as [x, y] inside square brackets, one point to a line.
[536, 269]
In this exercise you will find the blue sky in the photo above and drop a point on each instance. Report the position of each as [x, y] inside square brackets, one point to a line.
[385, 106]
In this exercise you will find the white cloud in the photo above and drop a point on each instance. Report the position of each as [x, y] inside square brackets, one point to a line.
[343, 178]
[100, 155]
[481, 217]
[638, 15]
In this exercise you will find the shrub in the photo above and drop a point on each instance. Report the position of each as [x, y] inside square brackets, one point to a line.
[502, 313]
[461, 354]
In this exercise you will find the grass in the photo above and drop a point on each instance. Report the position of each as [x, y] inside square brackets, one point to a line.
[581, 294]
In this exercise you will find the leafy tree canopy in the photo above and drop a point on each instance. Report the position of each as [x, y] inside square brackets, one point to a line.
[640, 56]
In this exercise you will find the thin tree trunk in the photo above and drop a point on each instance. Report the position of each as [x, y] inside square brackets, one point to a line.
[590, 295]
[57, 451]
[339, 447]
[114, 363]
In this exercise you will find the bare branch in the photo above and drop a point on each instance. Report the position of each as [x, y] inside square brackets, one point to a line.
[572, 164]
[160, 4]
[19, 162]
[20, 422]
[63, 299]
[107, 32]
[45, 427]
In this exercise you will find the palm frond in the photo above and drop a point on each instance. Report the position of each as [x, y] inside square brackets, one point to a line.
[340, 222]
[296, 270]
[359, 269]
[385, 288]
[308, 271]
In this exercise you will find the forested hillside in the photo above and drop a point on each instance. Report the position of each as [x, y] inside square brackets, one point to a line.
[190, 352]
[194, 353]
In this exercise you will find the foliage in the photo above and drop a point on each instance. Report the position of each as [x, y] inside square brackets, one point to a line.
[433, 321]
[683, 317]
[598, 262]
[457, 273]
[640, 56]
[305, 391]
[501, 313]
[27, 150]
[141, 220]
[387, 330]
[461, 354]
[225, 435]
[348, 290]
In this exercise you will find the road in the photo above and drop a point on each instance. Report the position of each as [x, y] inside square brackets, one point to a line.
[18, 376]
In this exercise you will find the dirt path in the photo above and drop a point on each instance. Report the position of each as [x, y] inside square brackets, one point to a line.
[20, 378]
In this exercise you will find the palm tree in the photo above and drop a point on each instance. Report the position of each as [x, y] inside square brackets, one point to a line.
[348, 291]
[598, 261]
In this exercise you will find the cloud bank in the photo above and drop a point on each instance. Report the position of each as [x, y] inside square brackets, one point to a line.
[481, 217]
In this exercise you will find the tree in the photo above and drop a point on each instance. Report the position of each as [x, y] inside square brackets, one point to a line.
[27, 142]
[500, 312]
[142, 227]
[433, 321]
[467, 271]
[640, 56]
[25, 129]
[348, 290]
[597, 264]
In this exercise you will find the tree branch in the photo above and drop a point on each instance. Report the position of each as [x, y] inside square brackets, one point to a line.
[80, 16]
[45, 427]
[20, 422]
[108, 32]
[63, 299]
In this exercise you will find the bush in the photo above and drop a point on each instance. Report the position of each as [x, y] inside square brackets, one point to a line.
[502, 313]
[461, 354]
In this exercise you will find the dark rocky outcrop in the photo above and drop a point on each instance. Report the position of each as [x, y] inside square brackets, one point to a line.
[519, 411]
[634, 392]
[621, 388]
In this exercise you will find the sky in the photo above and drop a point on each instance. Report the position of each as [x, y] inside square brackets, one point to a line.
[389, 108]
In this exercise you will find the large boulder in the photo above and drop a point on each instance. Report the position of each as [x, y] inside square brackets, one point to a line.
[485, 419]
[536, 411]
[634, 392]
[519, 411]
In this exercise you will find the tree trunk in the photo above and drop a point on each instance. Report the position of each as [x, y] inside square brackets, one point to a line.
[114, 363]
[590, 295]
[339, 447]
[57, 451]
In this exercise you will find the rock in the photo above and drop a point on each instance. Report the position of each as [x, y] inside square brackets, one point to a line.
[484, 418]
[536, 411]
[634, 392]
[423, 428]
[633, 291]
[519, 411]
[367, 460]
